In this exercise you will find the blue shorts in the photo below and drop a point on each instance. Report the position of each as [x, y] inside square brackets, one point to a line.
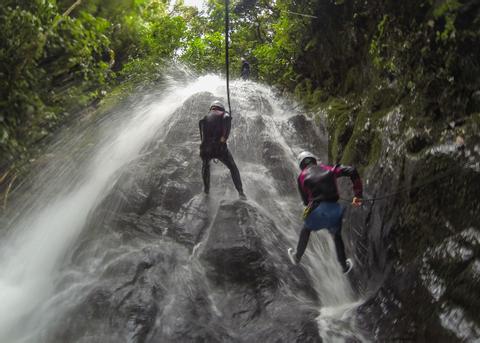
[327, 215]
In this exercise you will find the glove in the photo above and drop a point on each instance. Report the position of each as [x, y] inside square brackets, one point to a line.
[357, 202]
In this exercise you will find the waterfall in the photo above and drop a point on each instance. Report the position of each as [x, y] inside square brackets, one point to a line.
[52, 264]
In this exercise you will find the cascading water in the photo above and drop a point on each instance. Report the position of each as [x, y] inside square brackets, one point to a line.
[123, 246]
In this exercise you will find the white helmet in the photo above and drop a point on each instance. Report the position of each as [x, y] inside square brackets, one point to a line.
[302, 158]
[218, 104]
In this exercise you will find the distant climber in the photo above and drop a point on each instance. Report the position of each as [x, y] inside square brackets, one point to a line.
[214, 132]
[245, 71]
[317, 184]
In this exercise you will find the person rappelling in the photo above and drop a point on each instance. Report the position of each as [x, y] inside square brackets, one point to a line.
[317, 184]
[214, 131]
[245, 71]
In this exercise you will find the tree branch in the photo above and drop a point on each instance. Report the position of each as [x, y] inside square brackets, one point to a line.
[71, 8]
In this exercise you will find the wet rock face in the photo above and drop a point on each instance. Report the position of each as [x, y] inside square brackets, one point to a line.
[161, 262]
[247, 268]
[244, 246]
[417, 140]
[312, 137]
[234, 249]
[273, 157]
[421, 246]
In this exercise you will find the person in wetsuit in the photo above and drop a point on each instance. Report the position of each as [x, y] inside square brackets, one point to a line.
[245, 71]
[317, 184]
[214, 131]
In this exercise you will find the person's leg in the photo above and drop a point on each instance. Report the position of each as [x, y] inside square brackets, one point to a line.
[302, 243]
[206, 174]
[227, 159]
[329, 215]
[316, 220]
[336, 213]
[340, 248]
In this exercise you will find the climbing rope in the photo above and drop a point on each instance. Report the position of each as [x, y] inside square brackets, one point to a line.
[227, 62]
[417, 186]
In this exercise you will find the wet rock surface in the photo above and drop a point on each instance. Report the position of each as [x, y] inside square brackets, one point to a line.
[162, 262]
[419, 246]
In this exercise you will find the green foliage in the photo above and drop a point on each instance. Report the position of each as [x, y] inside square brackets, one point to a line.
[384, 51]
[447, 10]
[206, 54]
[45, 62]
[52, 65]
[379, 48]
[272, 65]
[421, 54]
[433, 54]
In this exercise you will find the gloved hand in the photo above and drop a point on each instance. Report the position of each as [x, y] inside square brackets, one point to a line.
[222, 140]
[357, 202]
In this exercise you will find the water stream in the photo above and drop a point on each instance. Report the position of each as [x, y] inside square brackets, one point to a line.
[58, 251]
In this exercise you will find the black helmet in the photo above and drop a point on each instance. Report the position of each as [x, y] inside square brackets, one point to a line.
[217, 105]
[305, 158]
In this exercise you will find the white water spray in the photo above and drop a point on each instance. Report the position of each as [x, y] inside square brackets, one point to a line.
[37, 241]
[336, 320]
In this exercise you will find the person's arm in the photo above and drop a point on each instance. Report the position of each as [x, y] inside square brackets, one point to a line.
[352, 173]
[227, 127]
[301, 191]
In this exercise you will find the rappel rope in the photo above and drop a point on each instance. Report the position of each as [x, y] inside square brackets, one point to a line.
[361, 249]
[405, 189]
[227, 63]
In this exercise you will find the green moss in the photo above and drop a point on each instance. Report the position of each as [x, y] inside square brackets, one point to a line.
[364, 146]
[473, 128]
[312, 98]
[340, 119]
[357, 147]
[316, 98]
[382, 98]
[355, 80]
[375, 150]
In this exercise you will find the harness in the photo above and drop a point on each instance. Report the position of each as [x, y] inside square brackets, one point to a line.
[314, 202]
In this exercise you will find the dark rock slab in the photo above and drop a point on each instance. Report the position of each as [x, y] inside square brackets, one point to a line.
[172, 265]
[254, 284]
[234, 248]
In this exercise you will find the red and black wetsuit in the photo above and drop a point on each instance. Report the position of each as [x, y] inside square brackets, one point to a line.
[215, 125]
[317, 184]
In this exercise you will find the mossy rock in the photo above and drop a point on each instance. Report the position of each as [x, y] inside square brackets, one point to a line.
[364, 145]
[381, 98]
[432, 213]
[340, 125]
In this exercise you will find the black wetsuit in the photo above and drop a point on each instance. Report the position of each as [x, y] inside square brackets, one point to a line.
[245, 70]
[215, 125]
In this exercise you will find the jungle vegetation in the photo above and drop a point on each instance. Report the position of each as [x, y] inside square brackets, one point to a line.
[59, 57]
